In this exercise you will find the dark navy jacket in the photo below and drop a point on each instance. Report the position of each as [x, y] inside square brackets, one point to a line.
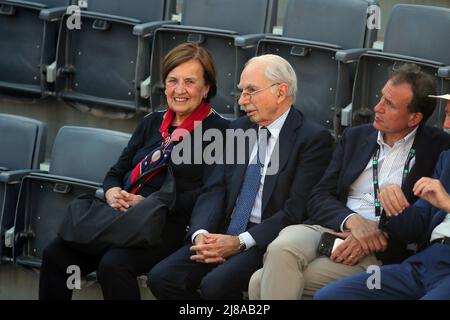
[417, 222]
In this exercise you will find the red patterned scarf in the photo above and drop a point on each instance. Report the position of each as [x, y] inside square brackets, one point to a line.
[159, 156]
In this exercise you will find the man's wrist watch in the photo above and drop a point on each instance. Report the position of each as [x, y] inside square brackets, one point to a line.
[242, 245]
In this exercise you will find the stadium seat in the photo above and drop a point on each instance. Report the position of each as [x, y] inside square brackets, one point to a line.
[322, 39]
[97, 64]
[229, 30]
[28, 44]
[415, 34]
[23, 148]
[79, 161]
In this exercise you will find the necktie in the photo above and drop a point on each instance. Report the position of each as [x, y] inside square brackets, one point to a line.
[250, 187]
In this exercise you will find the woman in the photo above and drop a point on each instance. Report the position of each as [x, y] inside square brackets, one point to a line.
[190, 82]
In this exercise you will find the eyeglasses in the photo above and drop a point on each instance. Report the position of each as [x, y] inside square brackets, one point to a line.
[172, 83]
[249, 95]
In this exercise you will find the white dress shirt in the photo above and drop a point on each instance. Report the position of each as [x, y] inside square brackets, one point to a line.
[391, 162]
[442, 229]
[256, 214]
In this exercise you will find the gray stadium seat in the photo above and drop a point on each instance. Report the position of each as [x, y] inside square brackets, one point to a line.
[79, 161]
[229, 30]
[415, 34]
[28, 44]
[316, 34]
[97, 64]
[23, 148]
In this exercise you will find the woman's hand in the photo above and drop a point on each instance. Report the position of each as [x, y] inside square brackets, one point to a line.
[130, 199]
[116, 200]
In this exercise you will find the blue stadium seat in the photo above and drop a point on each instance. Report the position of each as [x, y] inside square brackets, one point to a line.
[322, 39]
[98, 63]
[79, 161]
[229, 30]
[28, 44]
[23, 148]
[415, 34]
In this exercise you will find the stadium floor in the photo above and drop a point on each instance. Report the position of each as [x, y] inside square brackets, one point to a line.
[19, 283]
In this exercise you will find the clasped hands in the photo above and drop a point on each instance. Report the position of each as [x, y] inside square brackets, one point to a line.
[214, 248]
[366, 238]
[363, 239]
[121, 200]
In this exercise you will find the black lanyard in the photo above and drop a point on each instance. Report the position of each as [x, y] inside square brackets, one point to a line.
[376, 186]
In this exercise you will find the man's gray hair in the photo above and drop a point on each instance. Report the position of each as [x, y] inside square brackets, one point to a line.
[279, 70]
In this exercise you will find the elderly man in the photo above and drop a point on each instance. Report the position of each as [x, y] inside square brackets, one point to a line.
[245, 206]
[397, 148]
[425, 275]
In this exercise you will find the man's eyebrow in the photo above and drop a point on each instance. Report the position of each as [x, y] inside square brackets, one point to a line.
[387, 100]
[246, 86]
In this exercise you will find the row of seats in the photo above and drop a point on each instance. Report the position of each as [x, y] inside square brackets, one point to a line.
[107, 60]
[33, 202]
[23, 149]
[114, 59]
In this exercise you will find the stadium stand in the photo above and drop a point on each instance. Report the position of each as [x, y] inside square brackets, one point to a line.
[407, 24]
[28, 36]
[23, 147]
[80, 159]
[98, 63]
[113, 62]
[322, 39]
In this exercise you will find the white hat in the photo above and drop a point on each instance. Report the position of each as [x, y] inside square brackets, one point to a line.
[444, 96]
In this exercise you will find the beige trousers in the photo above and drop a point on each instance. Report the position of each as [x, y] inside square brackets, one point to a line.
[293, 270]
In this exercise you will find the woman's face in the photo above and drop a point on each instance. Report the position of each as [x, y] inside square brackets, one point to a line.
[185, 88]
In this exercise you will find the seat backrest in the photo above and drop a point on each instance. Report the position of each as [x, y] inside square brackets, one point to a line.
[54, 3]
[49, 3]
[242, 16]
[419, 31]
[26, 45]
[342, 22]
[86, 153]
[22, 141]
[143, 10]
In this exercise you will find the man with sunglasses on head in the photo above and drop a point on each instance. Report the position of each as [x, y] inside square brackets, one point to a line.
[247, 203]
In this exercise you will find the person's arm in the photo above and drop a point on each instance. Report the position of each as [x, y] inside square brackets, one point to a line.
[412, 224]
[209, 207]
[114, 177]
[324, 206]
[208, 211]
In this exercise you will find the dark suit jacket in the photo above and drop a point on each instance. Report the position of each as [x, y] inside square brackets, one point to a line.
[417, 222]
[305, 150]
[327, 205]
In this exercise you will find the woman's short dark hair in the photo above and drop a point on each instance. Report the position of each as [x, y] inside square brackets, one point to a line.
[422, 84]
[188, 51]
